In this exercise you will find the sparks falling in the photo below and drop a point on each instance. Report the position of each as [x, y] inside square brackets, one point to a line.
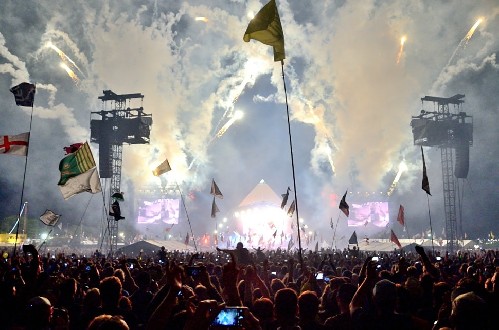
[472, 30]
[401, 50]
[402, 169]
[70, 73]
[237, 115]
[65, 58]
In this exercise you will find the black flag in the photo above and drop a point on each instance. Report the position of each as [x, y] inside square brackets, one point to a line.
[344, 206]
[285, 198]
[24, 94]
[425, 185]
[353, 239]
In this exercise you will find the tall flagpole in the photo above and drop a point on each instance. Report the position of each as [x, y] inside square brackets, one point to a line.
[334, 234]
[431, 227]
[24, 180]
[187, 215]
[292, 166]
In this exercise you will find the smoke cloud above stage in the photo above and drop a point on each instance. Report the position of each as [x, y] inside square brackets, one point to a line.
[355, 73]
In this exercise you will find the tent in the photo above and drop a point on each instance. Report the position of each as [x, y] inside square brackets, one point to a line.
[151, 247]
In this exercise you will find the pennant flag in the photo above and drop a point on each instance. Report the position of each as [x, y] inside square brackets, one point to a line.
[401, 216]
[214, 208]
[285, 198]
[14, 144]
[116, 211]
[50, 218]
[344, 206]
[72, 148]
[316, 247]
[275, 233]
[266, 28]
[215, 191]
[353, 239]
[394, 239]
[79, 173]
[162, 168]
[291, 209]
[425, 184]
[186, 239]
[24, 94]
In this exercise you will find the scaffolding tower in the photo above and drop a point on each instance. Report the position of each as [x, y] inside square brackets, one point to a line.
[452, 132]
[118, 124]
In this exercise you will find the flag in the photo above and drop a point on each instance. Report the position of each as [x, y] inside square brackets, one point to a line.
[291, 209]
[353, 239]
[316, 247]
[285, 198]
[214, 208]
[88, 181]
[266, 28]
[425, 184]
[162, 168]
[59, 226]
[214, 190]
[401, 216]
[394, 239]
[331, 223]
[275, 233]
[76, 163]
[50, 218]
[116, 211]
[290, 243]
[186, 239]
[343, 205]
[72, 148]
[79, 173]
[15, 144]
[24, 94]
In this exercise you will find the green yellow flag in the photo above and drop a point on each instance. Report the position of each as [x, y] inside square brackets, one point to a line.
[266, 28]
[76, 163]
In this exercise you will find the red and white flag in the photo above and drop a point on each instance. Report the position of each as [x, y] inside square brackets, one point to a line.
[14, 144]
[395, 240]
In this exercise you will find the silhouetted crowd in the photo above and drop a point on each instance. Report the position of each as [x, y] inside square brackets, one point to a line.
[258, 289]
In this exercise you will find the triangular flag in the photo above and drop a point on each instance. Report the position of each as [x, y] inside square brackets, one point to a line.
[353, 239]
[275, 233]
[316, 247]
[425, 184]
[24, 94]
[214, 190]
[401, 216]
[50, 218]
[285, 198]
[291, 209]
[266, 28]
[214, 208]
[162, 168]
[14, 144]
[344, 206]
[394, 239]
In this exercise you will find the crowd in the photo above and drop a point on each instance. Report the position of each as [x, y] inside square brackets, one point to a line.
[258, 289]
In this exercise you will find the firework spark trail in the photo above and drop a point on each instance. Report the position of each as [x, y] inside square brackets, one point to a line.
[464, 41]
[65, 58]
[70, 73]
[402, 169]
[401, 50]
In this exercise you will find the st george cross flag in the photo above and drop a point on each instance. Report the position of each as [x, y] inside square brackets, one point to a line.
[395, 240]
[266, 27]
[425, 184]
[401, 216]
[344, 206]
[162, 168]
[79, 173]
[50, 218]
[353, 239]
[14, 144]
[214, 208]
[24, 94]
[215, 191]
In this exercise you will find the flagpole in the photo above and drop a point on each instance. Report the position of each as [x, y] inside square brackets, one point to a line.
[187, 215]
[431, 227]
[292, 165]
[24, 178]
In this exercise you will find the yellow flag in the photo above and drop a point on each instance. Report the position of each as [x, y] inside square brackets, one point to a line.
[266, 28]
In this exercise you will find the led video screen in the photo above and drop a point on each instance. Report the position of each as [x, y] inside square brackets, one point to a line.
[369, 214]
[159, 210]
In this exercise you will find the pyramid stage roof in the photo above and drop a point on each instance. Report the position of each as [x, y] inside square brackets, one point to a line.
[261, 194]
